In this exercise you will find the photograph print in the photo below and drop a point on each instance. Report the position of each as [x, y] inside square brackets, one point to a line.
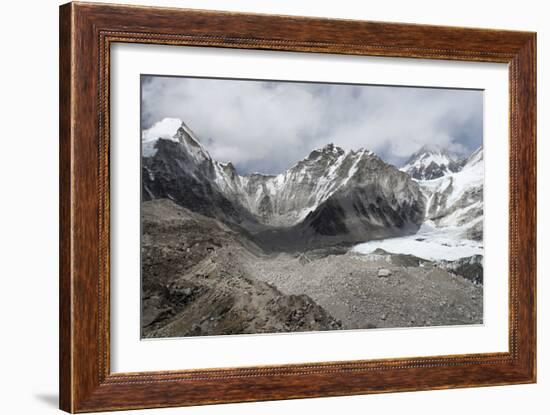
[274, 206]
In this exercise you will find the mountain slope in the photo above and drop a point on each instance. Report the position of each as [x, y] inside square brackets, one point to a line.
[451, 234]
[174, 173]
[456, 199]
[376, 202]
[194, 281]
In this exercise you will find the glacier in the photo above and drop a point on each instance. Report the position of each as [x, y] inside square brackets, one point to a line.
[453, 226]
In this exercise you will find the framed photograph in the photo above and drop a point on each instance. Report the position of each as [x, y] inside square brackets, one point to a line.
[259, 207]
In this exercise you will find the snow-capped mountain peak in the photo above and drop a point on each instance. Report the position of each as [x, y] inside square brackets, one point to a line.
[284, 199]
[173, 129]
[189, 140]
[431, 162]
[165, 129]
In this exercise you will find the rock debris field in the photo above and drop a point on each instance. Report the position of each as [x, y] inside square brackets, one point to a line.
[201, 278]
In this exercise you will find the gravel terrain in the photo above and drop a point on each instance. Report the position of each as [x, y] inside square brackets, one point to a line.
[349, 288]
[194, 284]
[200, 277]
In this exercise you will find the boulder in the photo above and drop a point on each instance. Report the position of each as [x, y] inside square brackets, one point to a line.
[384, 273]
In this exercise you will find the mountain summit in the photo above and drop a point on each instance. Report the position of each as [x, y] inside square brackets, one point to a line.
[431, 162]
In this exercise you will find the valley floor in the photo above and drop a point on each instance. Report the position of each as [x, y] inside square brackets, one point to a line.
[349, 287]
[201, 278]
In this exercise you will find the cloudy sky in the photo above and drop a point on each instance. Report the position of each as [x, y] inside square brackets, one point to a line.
[265, 126]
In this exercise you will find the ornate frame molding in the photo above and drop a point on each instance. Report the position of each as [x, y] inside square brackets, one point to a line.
[86, 33]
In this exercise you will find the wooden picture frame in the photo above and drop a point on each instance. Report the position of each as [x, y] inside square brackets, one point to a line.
[86, 33]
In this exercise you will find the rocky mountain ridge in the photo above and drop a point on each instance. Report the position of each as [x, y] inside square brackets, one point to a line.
[331, 196]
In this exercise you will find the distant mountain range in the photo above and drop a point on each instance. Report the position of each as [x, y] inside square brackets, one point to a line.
[330, 197]
[432, 162]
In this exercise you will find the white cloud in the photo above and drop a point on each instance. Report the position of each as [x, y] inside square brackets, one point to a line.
[268, 126]
[165, 128]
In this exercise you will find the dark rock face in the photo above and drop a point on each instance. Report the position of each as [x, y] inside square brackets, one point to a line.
[363, 213]
[475, 232]
[433, 170]
[470, 268]
[346, 218]
[378, 202]
[331, 197]
[328, 219]
[172, 174]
